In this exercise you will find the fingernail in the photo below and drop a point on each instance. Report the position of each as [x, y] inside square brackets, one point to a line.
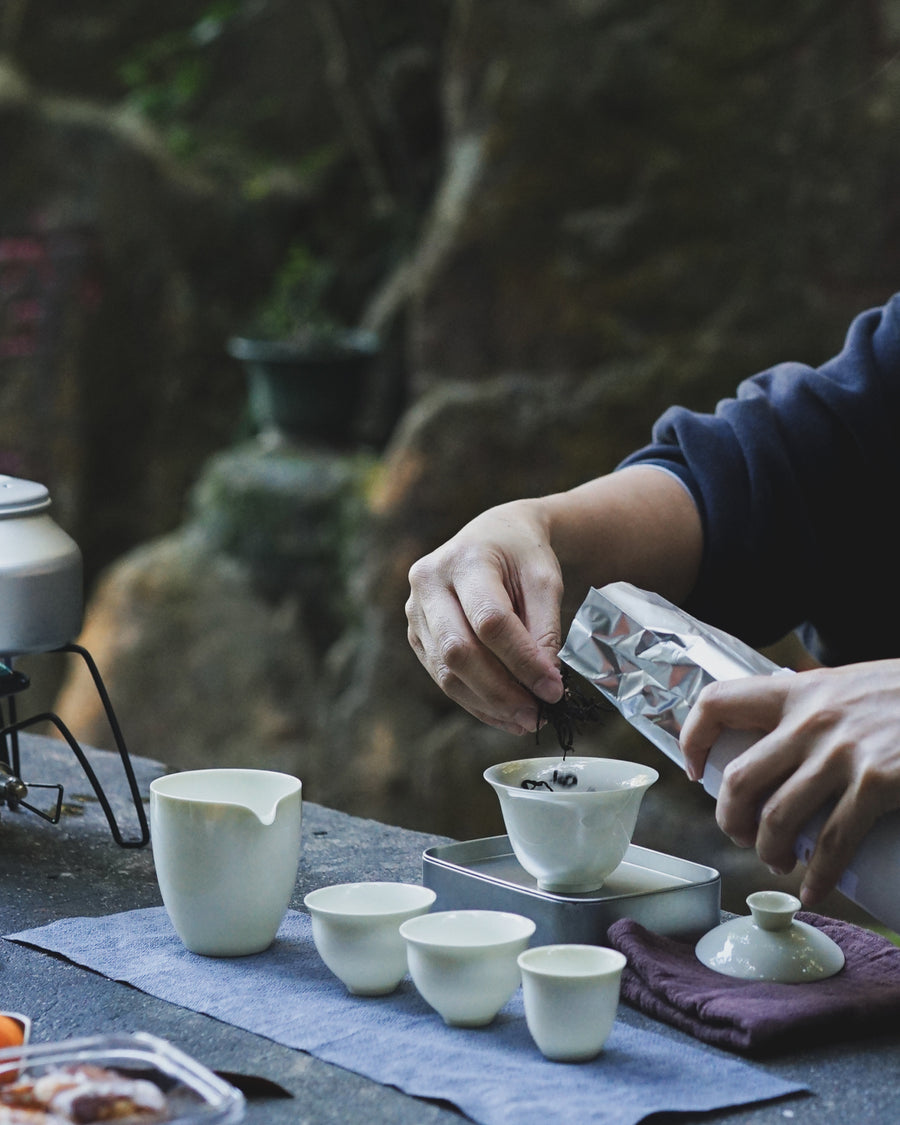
[777, 870]
[549, 688]
[526, 719]
[809, 894]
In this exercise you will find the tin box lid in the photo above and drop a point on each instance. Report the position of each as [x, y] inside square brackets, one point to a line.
[21, 497]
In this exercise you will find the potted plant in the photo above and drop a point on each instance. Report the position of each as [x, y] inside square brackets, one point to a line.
[305, 370]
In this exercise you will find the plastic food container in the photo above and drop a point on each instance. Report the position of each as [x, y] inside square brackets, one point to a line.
[193, 1094]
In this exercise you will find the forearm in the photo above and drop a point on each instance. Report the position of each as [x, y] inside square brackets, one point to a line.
[639, 525]
[485, 608]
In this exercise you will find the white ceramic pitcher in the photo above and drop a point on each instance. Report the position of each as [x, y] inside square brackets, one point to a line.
[226, 846]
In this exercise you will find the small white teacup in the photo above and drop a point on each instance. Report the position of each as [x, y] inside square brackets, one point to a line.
[356, 928]
[570, 822]
[571, 995]
[463, 962]
[226, 847]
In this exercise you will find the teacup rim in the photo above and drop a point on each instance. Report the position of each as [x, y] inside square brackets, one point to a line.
[524, 929]
[528, 960]
[158, 785]
[645, 775]
[426, 899]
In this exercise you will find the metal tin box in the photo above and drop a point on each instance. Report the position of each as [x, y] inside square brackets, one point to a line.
[670, 896]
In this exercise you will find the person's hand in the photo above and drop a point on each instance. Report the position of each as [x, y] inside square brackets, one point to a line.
[829, 736]
[484, 616]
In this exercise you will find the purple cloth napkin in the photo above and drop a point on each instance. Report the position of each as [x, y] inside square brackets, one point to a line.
[665, 979]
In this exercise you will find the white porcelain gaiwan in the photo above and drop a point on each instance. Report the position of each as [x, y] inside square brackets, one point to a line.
[770, 944]
[464, 962]
[570, 822]
[356, 929]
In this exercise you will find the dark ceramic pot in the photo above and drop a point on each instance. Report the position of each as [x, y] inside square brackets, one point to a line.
[309, 393]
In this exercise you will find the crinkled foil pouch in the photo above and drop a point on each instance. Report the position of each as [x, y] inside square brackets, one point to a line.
[651, 660]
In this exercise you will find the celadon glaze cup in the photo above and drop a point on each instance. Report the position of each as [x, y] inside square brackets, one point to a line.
[571, 995]
[463, 962]
[570, 822]
[356, 930]
[226, 847]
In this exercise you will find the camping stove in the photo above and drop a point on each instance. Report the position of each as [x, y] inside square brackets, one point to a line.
[41, 612]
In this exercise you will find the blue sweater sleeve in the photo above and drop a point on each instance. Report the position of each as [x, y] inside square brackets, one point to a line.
[796, 480]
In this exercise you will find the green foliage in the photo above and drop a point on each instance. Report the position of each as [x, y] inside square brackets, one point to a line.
[167, 76]
[296, 305]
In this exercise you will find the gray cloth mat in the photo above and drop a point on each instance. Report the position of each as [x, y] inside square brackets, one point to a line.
[495, 1075]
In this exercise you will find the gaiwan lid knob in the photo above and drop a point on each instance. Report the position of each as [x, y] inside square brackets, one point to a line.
[771, 944]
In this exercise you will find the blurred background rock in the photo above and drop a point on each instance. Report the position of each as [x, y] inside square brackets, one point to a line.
[559, 216]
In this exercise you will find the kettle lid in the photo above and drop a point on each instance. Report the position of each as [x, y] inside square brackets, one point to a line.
[21, 497]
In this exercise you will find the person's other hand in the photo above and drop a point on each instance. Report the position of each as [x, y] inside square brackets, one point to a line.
[829, 736]
[484, 616]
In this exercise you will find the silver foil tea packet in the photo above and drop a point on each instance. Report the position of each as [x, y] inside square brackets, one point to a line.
[651, 660]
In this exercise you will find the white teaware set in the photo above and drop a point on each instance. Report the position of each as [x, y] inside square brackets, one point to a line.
[226, 845]
[467, 963]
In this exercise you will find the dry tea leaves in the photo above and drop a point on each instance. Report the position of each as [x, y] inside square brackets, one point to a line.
[566, 717]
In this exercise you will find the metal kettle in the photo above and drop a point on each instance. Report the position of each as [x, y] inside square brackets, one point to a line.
[41, 585]
[41, 610]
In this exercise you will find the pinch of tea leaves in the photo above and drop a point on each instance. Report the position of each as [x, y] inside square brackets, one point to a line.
[572, 709]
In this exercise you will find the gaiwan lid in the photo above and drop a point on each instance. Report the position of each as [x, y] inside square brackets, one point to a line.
[770, 944]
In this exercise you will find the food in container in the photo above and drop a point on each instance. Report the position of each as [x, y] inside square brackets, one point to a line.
[15, 1030]
[125, 1078]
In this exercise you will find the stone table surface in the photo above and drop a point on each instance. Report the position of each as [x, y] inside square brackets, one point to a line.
[76, 868]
